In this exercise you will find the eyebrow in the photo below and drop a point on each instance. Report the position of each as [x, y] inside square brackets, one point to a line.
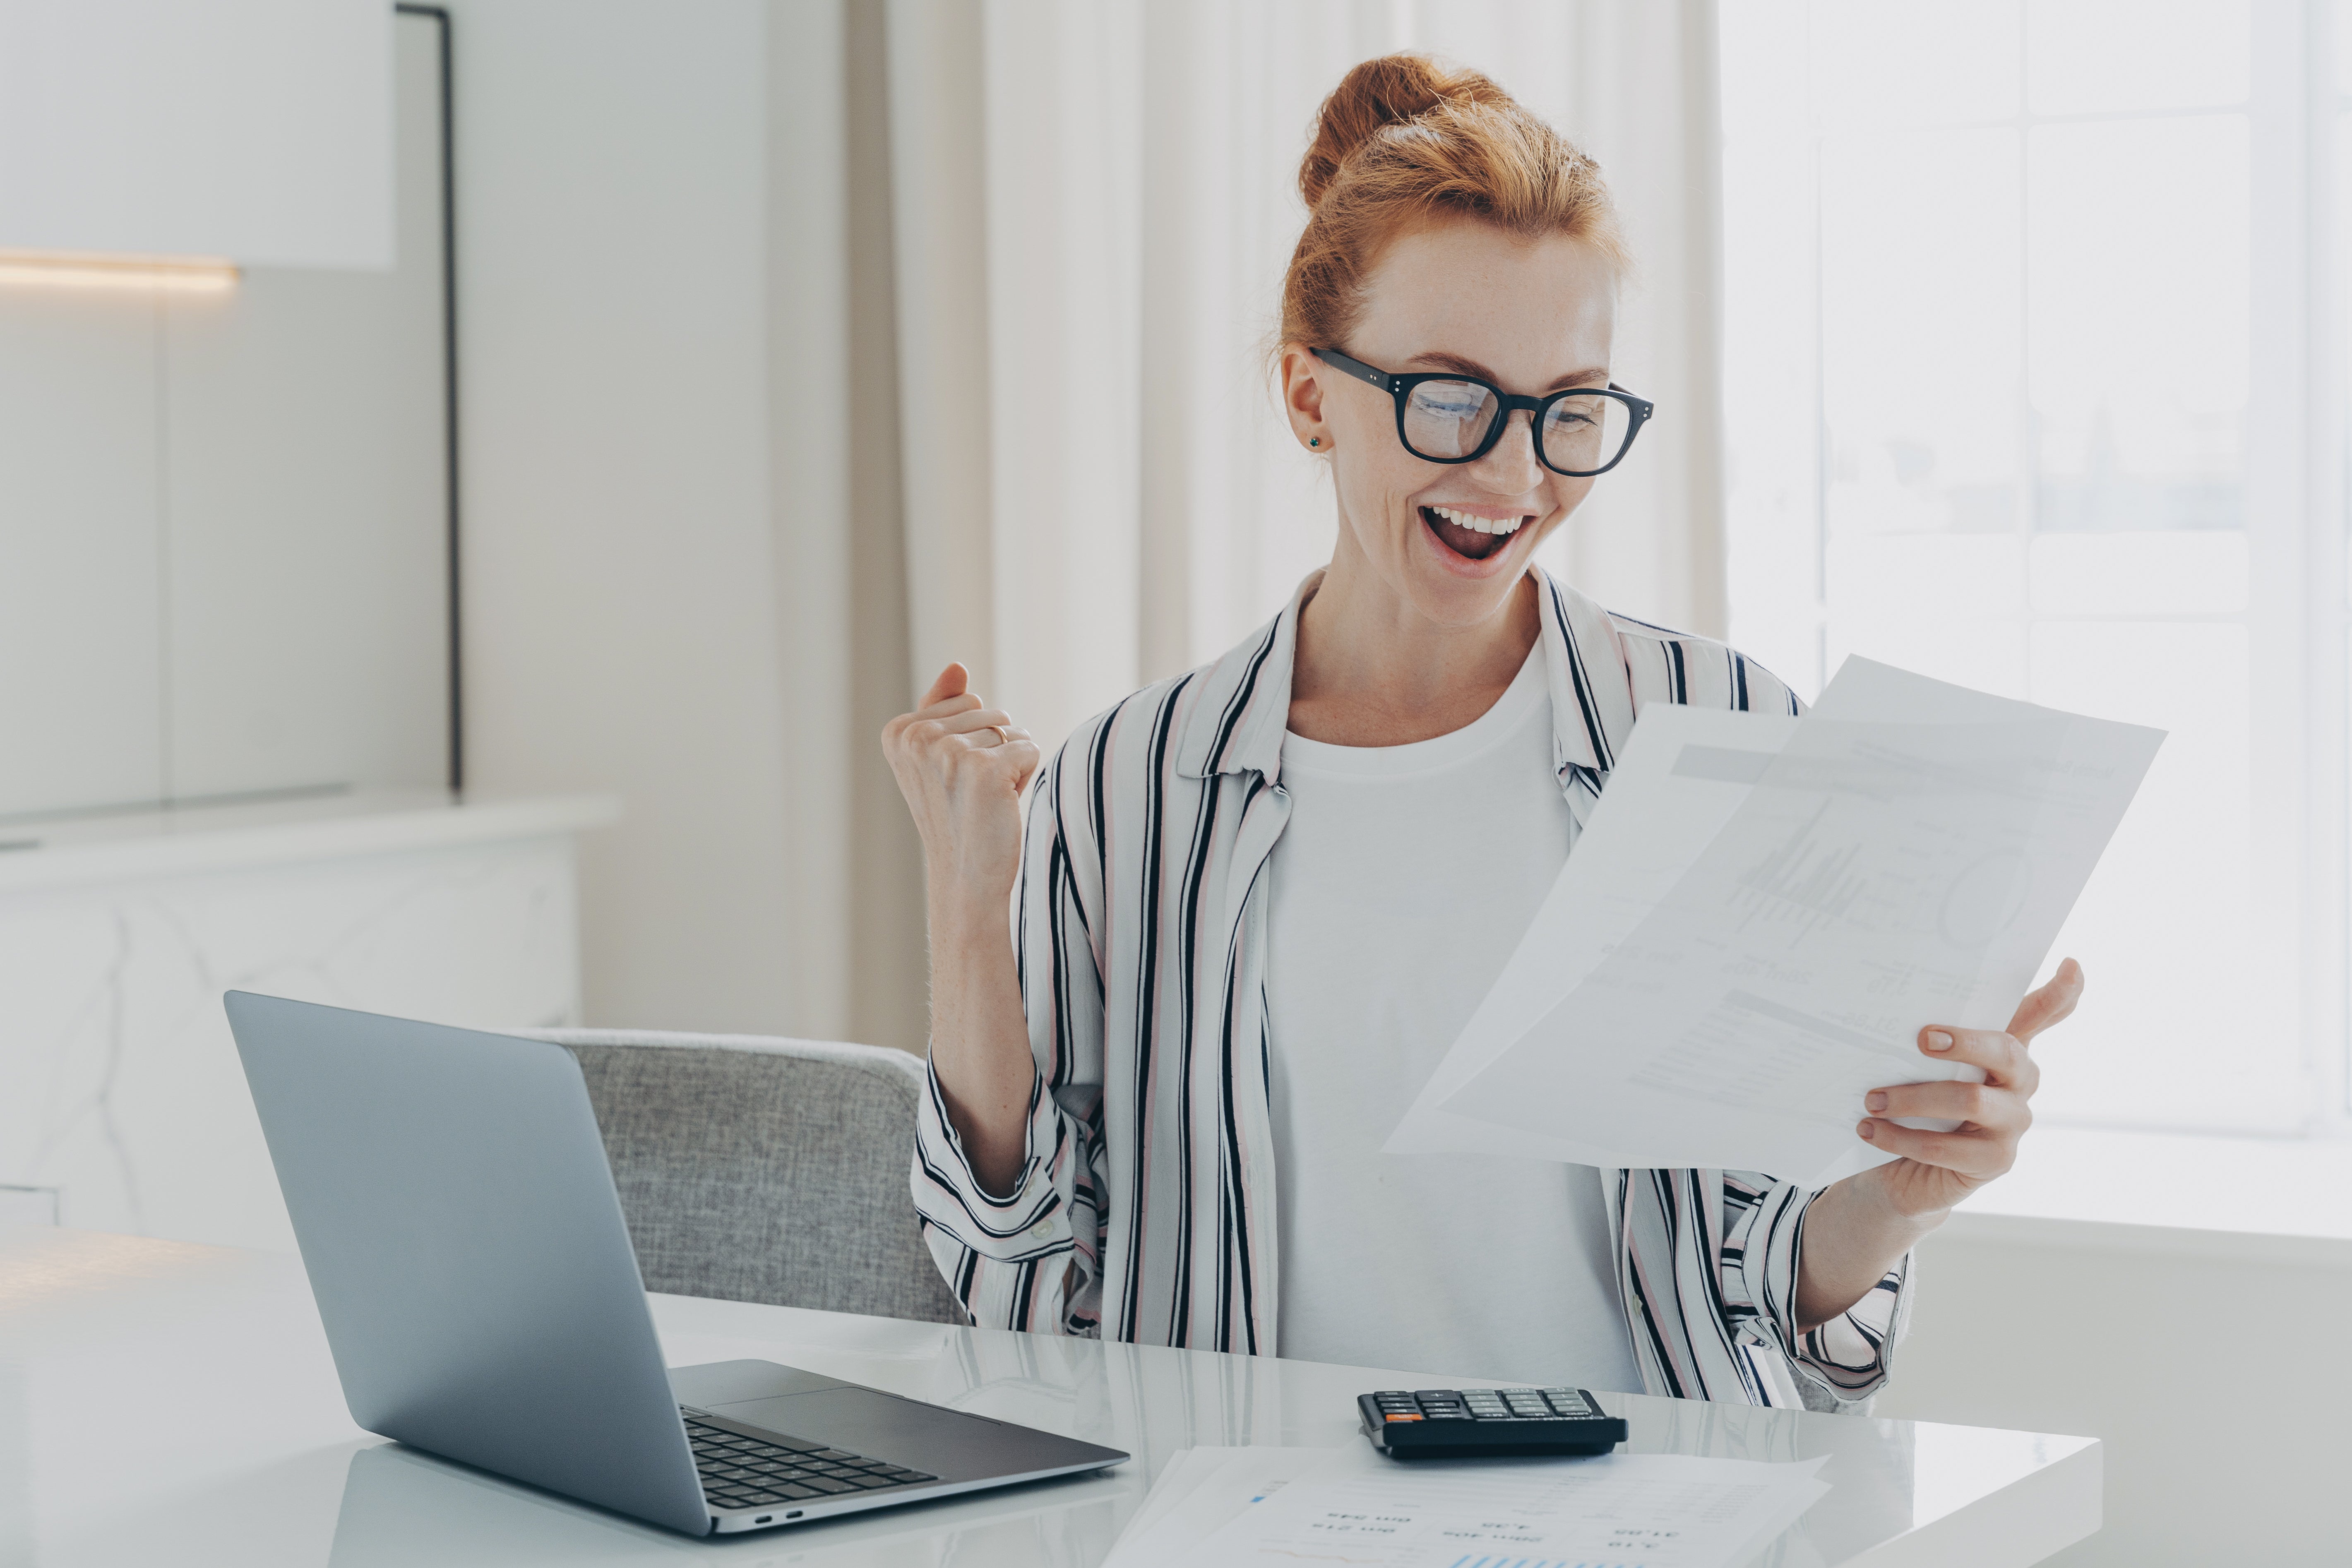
[1596, 375]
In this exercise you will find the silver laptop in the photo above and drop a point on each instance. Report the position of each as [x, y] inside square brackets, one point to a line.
[465, 1242]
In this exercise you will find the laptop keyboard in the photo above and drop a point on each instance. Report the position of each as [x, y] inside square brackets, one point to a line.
[756, 1472]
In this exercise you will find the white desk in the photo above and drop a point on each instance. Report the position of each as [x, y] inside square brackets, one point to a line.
[165, 1403]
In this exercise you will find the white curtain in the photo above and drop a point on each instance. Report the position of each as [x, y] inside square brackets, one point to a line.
[1040, 242]
[1094, 203]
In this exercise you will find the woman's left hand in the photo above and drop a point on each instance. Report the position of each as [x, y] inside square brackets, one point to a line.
[1939, 1169]
[1855, 1229]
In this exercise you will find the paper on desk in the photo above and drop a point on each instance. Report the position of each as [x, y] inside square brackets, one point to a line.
[1650, 824]
[1198, 1492]
[1906, 858]
[1663, 1511]
[1184, 1470]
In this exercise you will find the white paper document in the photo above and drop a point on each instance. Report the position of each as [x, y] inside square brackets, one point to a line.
[1653, 1510]
[1650, 825]
[1762, 914]
[1197, 1493]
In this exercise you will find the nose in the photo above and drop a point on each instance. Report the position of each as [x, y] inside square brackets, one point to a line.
[1509, 467]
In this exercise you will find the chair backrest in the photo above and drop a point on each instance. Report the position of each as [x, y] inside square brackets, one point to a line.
[758, 1169]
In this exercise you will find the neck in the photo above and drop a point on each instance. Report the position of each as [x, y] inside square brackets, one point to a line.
[1371, 670]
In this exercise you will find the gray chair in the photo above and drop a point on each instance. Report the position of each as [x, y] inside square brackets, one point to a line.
[757, 1169]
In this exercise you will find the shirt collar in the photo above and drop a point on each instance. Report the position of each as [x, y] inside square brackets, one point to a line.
[1243, 711]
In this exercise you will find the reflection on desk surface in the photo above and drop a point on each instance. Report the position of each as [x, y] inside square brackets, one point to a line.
[168, 1404]
[403, 1508]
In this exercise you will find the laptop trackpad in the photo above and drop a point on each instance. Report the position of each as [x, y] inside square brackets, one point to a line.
[949, 1444]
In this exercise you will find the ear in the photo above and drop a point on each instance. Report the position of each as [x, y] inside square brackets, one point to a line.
[1302, 397]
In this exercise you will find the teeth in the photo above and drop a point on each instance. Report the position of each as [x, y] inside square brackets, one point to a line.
[1478, 524]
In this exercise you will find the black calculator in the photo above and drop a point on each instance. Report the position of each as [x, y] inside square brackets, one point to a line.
[1487, 1423]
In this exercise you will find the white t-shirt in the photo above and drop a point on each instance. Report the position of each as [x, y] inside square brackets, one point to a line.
[1405, 876]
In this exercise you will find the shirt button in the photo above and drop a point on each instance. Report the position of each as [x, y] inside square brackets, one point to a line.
[1043, 1227]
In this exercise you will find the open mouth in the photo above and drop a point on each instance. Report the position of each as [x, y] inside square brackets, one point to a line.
[1469, 536]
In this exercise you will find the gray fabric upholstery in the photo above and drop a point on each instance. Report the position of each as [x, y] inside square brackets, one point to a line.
[756, 1169]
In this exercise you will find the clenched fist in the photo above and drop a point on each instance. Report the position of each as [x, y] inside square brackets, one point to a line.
[961, 766]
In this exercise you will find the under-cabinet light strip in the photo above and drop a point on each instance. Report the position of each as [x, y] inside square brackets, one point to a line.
[78, 270]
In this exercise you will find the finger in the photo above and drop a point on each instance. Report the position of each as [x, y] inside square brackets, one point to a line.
[1970, 1153]
[977, 719]
[2050, 1004]
[1981, 1105]
[951, 682]
[949, 707]
[1022, 755]
[2003, 1059]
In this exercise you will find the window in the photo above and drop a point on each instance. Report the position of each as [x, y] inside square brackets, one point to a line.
[2033, 360]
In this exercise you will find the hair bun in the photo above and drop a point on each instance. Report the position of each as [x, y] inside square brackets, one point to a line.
[1375, 95]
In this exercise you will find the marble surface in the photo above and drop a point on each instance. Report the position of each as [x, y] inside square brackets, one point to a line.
[119, 1087]
[169, 1403]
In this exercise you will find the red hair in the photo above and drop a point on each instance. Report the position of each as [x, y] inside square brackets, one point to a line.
[1404, 141]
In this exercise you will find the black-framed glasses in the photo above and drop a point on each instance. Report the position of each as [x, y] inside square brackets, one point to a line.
[1449, 418]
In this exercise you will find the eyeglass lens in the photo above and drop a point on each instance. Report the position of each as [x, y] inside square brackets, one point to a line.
[1445, 421]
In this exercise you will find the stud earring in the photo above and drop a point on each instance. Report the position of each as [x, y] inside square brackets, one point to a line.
[1315, 440]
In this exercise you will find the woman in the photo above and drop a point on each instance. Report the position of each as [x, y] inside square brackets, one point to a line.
[1258, 902]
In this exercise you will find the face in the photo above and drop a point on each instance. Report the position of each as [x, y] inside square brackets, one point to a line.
[1532, 317]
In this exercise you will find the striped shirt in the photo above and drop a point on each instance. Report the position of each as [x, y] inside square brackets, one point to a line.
[1145, 1207]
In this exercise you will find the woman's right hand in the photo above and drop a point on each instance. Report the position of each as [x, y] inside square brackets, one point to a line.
[962, 767]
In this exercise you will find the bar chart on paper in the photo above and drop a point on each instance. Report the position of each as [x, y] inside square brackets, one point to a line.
[1802, 884]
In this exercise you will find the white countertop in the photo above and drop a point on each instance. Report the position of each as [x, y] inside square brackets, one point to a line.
[117, 847]
[165, 1403]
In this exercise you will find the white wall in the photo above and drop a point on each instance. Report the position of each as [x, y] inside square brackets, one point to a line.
[620, 581]
[255, 130]
[222, 519]
[2218, 1385]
